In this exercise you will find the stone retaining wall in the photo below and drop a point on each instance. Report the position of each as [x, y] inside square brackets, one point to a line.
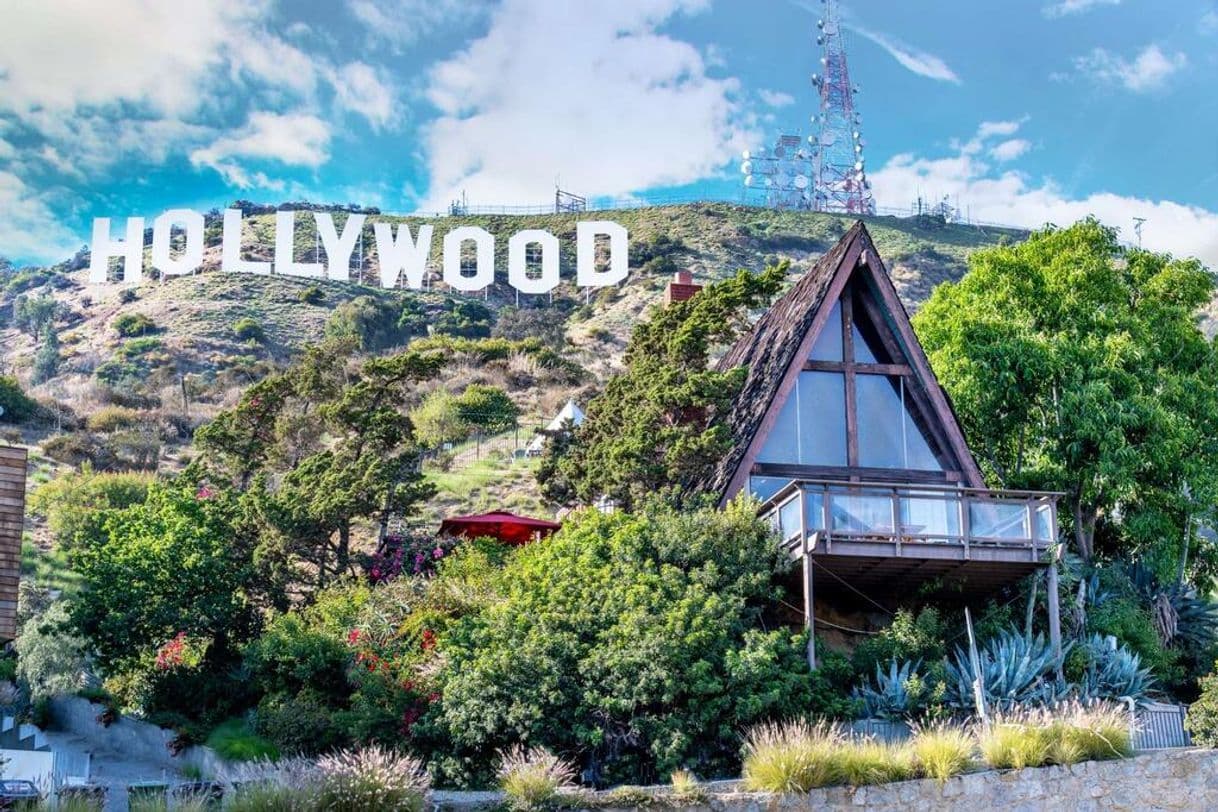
[1166, 779]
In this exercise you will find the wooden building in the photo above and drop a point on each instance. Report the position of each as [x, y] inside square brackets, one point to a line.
[843, 431]
[12, 521]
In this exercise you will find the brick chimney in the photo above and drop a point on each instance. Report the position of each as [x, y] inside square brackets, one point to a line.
[681, 287]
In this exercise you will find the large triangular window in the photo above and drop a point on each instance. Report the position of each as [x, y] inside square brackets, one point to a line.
[856, 375]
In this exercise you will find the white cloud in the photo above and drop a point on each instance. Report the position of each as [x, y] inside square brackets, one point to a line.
[1209, 22]
[358, 88]
[910, 58]
[398, 23]
[591, 92]
[29, 228]
[95, 80]
[1011, 197]
[1010, 150]
[1148, 71]
[988, 129]
[1068, 7]
[291, 140]
[775, 98]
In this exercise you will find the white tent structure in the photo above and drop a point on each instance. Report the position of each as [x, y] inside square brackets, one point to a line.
[571, 413]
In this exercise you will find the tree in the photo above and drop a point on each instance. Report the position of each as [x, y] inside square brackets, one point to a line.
[1077, 365]
[659, 423]
[174, 563]
[314, 450]
[46, 359]
[438, 420]
[487, 408]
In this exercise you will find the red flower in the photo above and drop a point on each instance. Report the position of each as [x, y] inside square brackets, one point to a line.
[171, 654]
[204, 493]
[353, 637]
[429, 640]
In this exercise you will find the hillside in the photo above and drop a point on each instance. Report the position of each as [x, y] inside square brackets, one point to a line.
[140, 395]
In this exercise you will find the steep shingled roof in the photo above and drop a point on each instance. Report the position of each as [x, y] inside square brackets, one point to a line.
[766, 352]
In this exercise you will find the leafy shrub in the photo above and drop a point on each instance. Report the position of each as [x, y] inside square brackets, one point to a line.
[73, 504]
[112, 418]
[437, 420]
[908, 637]
[1202, 719]
[234, 741]
[372, 778]
[629, 629]
[301, 724]
[293, 654]
[371, 321]
[533, 778]
[17, 406]
[247, 329]
[465, 319]
[941, 751]
[487, 408]
[1132, 624]
[130, 325]
[312, 295]
[50, 659]
[135, 347]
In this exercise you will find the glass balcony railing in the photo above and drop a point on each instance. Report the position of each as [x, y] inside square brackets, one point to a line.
[913, 514]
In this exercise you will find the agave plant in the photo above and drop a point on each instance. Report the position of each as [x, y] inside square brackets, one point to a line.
[1016, 670]
[1113, 672]
[889, 696]
[1181, 617]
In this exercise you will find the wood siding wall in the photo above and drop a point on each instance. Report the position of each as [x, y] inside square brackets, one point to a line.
[12, 520]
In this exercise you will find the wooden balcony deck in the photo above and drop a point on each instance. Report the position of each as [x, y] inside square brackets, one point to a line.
[890, 540]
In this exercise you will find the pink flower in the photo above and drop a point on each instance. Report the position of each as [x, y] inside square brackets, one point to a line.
[438, 552]
[204, 493]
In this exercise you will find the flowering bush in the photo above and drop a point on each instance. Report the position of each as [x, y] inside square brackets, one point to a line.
[181, 652]
[410, 555]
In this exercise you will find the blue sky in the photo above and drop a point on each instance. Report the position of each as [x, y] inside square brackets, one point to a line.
[1025, 111]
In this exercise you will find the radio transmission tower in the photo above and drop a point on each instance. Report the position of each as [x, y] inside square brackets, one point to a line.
[840, 179]
[828, 173]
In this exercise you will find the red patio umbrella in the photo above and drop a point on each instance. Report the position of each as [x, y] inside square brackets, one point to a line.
[507, 527]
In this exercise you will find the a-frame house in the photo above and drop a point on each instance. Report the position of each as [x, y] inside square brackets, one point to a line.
[845, 434]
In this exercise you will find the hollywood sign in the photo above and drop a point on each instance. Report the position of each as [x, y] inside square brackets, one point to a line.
[400, 253]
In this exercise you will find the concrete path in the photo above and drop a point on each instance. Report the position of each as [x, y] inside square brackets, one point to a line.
[112, 769]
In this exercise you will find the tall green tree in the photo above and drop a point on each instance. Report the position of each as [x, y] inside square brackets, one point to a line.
[173, 563]
[1077, 364]
[316, 449]
[658, 424]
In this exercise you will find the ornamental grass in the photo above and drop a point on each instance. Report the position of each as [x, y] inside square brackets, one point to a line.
[794, 756]
[941, 751]
[372, 778]
[533, 778]
[1066, 734]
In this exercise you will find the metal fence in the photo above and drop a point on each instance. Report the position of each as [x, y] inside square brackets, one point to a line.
[1160, 725]
[518, 443]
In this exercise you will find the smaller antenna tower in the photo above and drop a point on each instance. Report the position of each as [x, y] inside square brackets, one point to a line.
[568, 202]
[1137, 228]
